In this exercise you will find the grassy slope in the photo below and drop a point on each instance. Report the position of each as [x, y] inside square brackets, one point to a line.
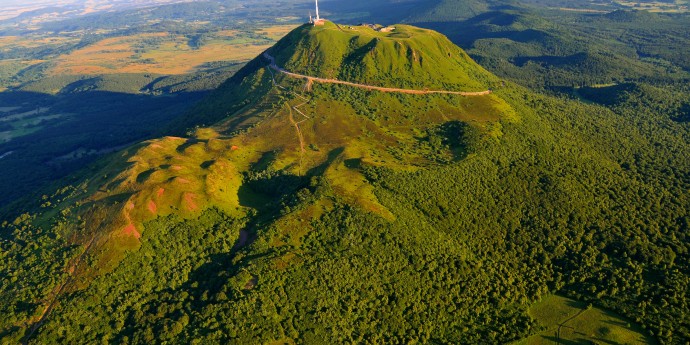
[407, 57]
[580, 323]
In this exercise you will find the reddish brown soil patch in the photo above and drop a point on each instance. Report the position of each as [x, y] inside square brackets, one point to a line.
[234, 147]
[181, 180]
[131, 230]
[130, 205]
[160, 192]
[189, 201]
[176, 167]
[152, 206]
[156, 146]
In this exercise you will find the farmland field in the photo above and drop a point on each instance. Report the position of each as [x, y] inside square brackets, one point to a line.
[678, 6]
[163, 53]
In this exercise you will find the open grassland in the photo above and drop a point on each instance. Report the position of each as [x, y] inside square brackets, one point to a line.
[32, 41]
[163, 53]
[566, 321]
[276, 32]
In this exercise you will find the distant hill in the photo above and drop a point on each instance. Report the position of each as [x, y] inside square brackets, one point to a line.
[451, 11]
[553, 48]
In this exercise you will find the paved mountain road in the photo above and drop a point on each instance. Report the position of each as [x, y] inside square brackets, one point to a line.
[311, 79]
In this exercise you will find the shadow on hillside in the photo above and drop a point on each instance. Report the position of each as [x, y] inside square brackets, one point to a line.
[51, 136]
[552, 60]
[466, 33]
[683, 114]
[494, 18]
[556, 340]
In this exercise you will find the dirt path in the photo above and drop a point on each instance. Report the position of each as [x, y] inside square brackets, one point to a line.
[562, 324]
[6, 154]
[299, 132]
[311, 79]
[290, 115]
[56, 294]
[299, 136]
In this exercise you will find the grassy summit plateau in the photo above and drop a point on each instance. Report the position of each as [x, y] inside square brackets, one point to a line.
[406, 57]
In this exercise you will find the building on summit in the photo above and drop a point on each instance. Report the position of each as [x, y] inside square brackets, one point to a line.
[317, 21]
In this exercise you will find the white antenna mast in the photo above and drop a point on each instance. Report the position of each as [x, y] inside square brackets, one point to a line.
[317, 10]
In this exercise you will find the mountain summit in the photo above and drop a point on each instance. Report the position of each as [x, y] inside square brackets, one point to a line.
[399, 56]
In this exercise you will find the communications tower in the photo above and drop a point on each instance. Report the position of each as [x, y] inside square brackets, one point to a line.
[318, 20]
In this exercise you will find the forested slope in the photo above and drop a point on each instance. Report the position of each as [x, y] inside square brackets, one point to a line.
[547, 48]
[349, 216]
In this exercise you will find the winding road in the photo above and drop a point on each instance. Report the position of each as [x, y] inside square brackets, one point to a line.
[311, 79]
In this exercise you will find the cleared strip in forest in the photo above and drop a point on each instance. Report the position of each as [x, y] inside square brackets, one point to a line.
[57, 292]
[292, 119]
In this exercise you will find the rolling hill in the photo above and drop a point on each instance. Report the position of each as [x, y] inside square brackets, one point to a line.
[543, 45]
[314, 212]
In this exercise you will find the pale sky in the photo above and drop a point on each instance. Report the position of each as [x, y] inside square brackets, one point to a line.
[35, 3]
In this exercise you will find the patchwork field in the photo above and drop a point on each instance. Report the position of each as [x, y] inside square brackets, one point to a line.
[69, 8]
[678, 6]
[8, 42]
[276, 32]
[163, 53]
[158, 53]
